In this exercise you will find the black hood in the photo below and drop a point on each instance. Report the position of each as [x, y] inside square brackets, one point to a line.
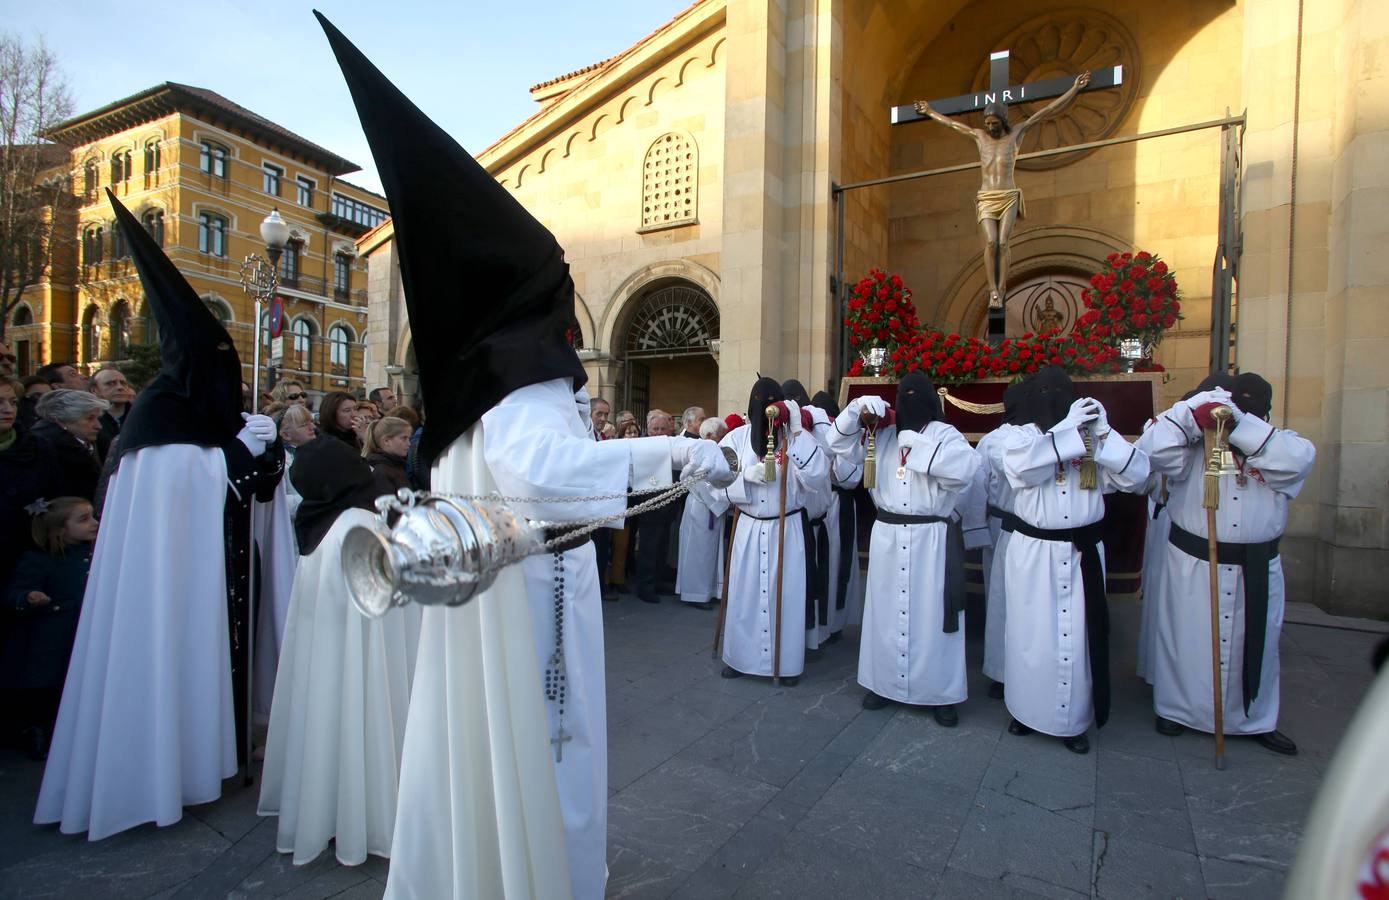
[487, 290]
[1049, 396]
[764, 392]
[1210, 383]
[196, 397]
[918, 404]
[331, 478]
[1252, 394]
[795, 392]
[824, 401]
[1014, 397]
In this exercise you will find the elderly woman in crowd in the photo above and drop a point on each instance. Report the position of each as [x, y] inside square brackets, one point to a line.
[69, 423]
[337, 417]
[26, 474]
[296, 427]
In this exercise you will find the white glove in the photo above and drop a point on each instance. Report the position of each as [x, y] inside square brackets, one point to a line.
[794, 411]
[1218, 395]
[585, 406]
[869, 403]
[1101, 426]
[908, 439]
[755, 473]
[257, 433]
[1082, 412]
[707, 456]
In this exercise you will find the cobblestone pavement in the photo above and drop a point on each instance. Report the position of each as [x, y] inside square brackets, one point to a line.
[735, 788]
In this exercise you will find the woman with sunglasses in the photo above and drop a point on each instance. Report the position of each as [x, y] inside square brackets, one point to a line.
[291, 393]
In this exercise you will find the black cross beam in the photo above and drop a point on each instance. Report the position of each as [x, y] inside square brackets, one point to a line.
[1000, 91]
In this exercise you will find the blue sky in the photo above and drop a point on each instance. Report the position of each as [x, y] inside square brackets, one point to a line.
[468, 64]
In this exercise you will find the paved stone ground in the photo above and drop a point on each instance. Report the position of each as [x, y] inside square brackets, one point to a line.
[735, 788]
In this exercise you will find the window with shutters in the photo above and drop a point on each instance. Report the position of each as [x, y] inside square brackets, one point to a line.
[670, 183]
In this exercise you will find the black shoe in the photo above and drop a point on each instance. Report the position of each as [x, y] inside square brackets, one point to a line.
[730, 672]
[34, 739]
[1168, 727]
[1018, 728]
[874, 701]
[1278, 742]
[995, 690]
[650, 598]
[609, 595]
[1078, 744]
[839, 635]
[707, 604]
[946, 716]
[790, 680]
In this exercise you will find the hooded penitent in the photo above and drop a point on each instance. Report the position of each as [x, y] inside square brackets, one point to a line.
[918, 404]
[332, 479]
[1013, 399]
[764, 392]
[1210, 383]
[487, 289]
[196, 397]
[823, 400]
[1048, 398]
[795, 392]
[1252, 394]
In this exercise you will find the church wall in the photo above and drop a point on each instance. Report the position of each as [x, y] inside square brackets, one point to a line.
[1159, 195]
[584, 182]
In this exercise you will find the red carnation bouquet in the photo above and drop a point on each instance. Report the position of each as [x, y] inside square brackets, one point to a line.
[1133, 296]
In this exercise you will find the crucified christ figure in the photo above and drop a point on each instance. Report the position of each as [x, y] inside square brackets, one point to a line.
[999, 201]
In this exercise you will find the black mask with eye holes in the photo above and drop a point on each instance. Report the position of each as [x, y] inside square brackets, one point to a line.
[1013, 399]
[795, 392]
[1252, 394]
[766, 391]
[918, 404]
[1049, 396]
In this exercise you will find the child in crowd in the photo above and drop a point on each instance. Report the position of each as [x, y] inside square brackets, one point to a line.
[44, 596]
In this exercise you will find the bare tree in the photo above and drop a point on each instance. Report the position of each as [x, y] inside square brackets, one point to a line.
[34, 176]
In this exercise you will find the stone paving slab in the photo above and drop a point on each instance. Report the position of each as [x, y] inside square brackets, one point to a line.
[736, 788]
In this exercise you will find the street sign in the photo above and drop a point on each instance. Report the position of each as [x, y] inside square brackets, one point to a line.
[277, 316]
[277, 350]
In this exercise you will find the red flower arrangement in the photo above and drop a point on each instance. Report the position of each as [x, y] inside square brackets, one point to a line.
[881, 314]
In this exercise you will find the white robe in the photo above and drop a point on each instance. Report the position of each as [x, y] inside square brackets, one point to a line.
[1047, 665]
[279, 557]
[842, 474]
[1278, 462]
[699, 575]
[750, 623]
[904, 653]
[147, 721]
[999, 493]
[332, 758]
[484, 809]
[1156, 526]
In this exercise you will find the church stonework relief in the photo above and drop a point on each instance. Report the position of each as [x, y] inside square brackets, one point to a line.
[1045, 302]
[670, 182]
[1063, 43]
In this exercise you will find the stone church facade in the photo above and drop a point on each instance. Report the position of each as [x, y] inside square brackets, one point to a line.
[691, 180]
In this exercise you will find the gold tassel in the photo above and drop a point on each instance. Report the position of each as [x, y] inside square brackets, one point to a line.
[870, 462]
[769, 461]
[1089, 474]
[1219, 459]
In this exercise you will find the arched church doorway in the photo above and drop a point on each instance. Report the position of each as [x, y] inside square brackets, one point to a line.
[667, 361]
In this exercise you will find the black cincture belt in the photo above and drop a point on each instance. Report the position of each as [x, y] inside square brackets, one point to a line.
[817, 573]
[789, 514]
[1008, 519]
[570, 543]
[955, 584]
[1254, 560]
[1088, 539]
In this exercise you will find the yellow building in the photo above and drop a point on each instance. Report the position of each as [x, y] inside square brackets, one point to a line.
[692, 177]
[201, 173]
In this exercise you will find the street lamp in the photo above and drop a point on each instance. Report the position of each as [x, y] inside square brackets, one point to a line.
[259, 279]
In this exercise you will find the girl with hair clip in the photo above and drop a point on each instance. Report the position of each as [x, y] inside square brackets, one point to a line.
[44, 597]
[384, 446]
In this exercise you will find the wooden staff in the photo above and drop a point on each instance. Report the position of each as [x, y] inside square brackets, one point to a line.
[781, 548]
[723, 600]
[1215, 451]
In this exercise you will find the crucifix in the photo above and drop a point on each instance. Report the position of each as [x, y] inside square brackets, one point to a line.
[999, 202]
[559, 740]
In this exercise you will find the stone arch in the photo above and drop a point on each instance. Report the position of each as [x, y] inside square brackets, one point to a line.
[545, 159]
[569, 142]
[615, 311]
[521, 175]
[626, 105]
[714, 51]
[597, 124]
[681, 77]
[653, 90]
[1071, 248]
